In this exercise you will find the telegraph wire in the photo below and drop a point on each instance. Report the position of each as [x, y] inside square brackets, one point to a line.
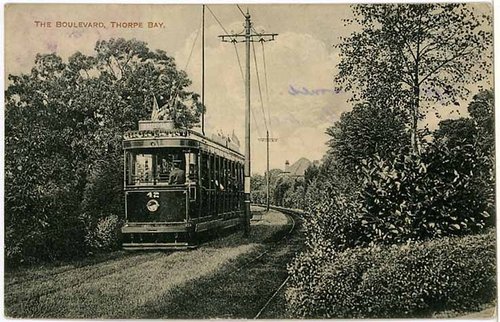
[176, 90]
[255, 122]
[265, 70]
[239, 62]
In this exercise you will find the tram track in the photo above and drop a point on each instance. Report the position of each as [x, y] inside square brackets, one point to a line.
[159, 285]
[268, 250]
[293, 216]
[249, 286]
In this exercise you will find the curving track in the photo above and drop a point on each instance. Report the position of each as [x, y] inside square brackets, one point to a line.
[294, 215]
[230, 277]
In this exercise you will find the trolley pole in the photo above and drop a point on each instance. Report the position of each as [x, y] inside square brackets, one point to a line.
[267, 139]
[247, 37]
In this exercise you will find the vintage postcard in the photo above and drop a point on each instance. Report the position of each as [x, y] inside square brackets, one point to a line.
[238, 161]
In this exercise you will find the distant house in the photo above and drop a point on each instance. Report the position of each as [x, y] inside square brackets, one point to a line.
[298, 168]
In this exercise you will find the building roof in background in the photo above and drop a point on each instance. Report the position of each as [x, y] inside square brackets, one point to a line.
[299, 167]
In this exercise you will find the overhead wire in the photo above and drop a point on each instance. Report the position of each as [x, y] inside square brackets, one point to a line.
[239, 62]
[265, 70]
[192, 48]
[267, 88]
[244, 15]
[255, 122]
[238, 58]
[176, 90]
[258, 85]
[216, 19]
[234, 44]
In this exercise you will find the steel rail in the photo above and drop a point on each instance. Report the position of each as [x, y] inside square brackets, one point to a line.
[290, 213]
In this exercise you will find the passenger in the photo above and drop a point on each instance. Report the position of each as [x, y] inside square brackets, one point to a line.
[177, 175]
[163, 171]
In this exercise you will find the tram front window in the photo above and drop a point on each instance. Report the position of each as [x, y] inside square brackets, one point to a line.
[159, 167]
[142, 169]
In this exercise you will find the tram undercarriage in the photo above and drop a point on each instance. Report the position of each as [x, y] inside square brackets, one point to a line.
[138, 236]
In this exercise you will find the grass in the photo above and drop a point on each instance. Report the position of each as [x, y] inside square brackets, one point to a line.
[227, 294]
[487, 311]
[154, 284]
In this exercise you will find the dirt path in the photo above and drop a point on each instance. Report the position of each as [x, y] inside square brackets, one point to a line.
[142, 285]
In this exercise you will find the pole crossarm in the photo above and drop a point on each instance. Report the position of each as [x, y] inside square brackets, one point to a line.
[235, 38]
[268, 139]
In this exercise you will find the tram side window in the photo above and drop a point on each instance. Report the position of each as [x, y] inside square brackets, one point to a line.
[192, 160]
[211, 168]
[231, 179]
[204, 170]
[241, 177]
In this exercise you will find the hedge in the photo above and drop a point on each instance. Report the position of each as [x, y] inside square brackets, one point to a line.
[399, 281]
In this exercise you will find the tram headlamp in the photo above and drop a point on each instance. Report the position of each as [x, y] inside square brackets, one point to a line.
[152, 205]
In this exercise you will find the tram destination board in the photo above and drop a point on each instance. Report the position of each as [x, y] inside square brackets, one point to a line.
[235, 161]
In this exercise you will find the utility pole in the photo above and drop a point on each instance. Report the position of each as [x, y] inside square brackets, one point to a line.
[267, 139]
[248, 36]
[203, 68]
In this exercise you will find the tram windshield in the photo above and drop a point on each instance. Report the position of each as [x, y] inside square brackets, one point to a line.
[160, 166]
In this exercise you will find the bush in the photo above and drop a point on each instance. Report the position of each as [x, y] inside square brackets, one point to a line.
[258, 196]
[415, 197]
[412, 280]
[105, 235]
[407, 197]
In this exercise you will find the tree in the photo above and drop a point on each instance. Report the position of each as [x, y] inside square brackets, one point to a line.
[258, 188]
[474, 139]
[482, 112]
[136, 73]
[408, 56]
[282, 184]
[311, 173]
[456, 132]
[477, 130]
[364, 132]
[64, 123]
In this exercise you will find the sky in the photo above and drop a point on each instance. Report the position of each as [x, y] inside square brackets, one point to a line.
[303, 56]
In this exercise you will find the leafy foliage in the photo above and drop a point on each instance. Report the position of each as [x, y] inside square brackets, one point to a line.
[364, 132]
[258, 186]
[402, 198]
[381, 184]
[105, 234]
[408, 56]
[413, 280]
[376, 248]
[64, 123]
[258, 189]
[418, 197]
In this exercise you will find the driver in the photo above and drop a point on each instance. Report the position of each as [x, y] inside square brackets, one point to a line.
[177, 175]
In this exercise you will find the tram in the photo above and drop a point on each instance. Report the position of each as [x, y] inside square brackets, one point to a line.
[179, 184]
